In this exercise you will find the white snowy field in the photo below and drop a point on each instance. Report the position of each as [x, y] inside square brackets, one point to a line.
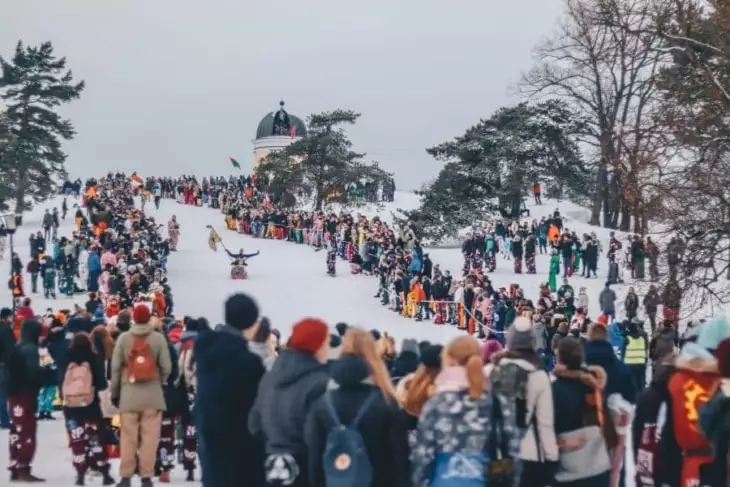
[288, 281]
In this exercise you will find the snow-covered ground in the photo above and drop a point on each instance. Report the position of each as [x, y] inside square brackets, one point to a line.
[288, 281]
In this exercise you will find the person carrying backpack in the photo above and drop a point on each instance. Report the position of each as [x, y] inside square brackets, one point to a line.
[286, 393]
[516, 375]
[356, 435]
[464, 437]
[141, 364]
[82, 380]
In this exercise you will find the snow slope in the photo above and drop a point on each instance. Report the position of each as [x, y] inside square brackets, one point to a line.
[288, 281]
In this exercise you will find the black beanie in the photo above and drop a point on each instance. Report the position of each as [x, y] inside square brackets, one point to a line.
[341, 328]
[431, 355]
[376, 334]
[241, 312]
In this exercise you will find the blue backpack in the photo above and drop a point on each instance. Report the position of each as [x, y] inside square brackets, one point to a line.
[345, 460]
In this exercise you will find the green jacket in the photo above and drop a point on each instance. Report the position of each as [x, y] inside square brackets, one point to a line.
[140, 396]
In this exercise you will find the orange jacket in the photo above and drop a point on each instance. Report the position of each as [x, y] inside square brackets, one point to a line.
[553, 233]
[159, 305]
[417, 292]
[689, 389]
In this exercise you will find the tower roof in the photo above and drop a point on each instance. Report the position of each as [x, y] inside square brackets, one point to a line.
[266, 125]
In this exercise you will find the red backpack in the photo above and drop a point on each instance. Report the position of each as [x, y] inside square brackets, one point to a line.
[141, 365]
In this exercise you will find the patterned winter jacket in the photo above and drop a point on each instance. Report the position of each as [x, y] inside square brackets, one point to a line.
[452, 422]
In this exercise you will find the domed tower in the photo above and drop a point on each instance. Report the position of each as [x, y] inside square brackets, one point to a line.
[276, 131]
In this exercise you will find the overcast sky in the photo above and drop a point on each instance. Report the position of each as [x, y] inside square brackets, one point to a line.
[177, 86]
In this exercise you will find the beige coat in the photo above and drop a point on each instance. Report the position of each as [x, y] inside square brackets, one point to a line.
[540, 403]
[140, 396]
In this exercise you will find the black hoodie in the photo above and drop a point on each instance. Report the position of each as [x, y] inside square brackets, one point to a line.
[24, 375]
[382, 427]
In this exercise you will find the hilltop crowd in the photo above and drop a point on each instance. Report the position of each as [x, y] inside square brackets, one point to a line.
[341, 405]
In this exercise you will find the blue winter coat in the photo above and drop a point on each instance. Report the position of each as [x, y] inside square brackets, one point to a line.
[619, 379]
[416, 261]
[94, 262]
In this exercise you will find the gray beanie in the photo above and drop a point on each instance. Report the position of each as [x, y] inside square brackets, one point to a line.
[410, 345]
[520, 335]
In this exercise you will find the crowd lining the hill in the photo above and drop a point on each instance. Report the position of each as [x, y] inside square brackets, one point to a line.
[130, 374]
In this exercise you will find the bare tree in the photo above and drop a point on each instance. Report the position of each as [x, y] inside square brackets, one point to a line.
[603, 63]
[695, 110]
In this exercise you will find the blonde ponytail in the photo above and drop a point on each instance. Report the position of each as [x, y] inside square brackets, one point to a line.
[465, 352]
[475, 376]
[361, 344]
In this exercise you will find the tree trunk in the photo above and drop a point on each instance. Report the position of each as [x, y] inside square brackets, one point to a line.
[638, 220]
[20, 193]
[598, 197]
[516, 205]
[625, 225]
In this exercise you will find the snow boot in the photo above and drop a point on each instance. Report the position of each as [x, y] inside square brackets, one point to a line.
[146, 482]
[165, 477]
[191, 476]
[24, 476]
[107, 479]
[80, 479]
[125, 482]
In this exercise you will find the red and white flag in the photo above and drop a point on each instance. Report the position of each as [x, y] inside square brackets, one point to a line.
[293, 132]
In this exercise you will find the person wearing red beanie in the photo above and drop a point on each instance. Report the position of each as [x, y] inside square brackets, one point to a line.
[141, 314]
[309, 335]
[298, 377]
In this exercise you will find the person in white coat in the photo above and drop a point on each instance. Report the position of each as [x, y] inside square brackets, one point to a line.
[582, 299]
[539, 447]
[84, 267]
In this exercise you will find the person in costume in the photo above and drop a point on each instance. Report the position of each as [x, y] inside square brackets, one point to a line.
[240, 258]
[554, 270]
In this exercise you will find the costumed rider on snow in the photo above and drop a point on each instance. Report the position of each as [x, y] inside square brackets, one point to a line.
[240, 257]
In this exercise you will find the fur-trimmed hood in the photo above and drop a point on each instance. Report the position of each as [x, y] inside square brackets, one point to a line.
[591, 376]
[706, 365]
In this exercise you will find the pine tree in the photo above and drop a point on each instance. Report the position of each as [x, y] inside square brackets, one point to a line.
[33, 84]
[322, 164]
[489, 168]
[6, 138]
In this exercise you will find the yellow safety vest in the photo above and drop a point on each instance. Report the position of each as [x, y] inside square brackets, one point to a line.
[635, 351]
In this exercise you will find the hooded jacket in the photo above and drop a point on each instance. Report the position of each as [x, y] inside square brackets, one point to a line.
[619, 379]
[228, 376]
[23, 369]
[382, 426]
[286, 394]
[138, 397]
